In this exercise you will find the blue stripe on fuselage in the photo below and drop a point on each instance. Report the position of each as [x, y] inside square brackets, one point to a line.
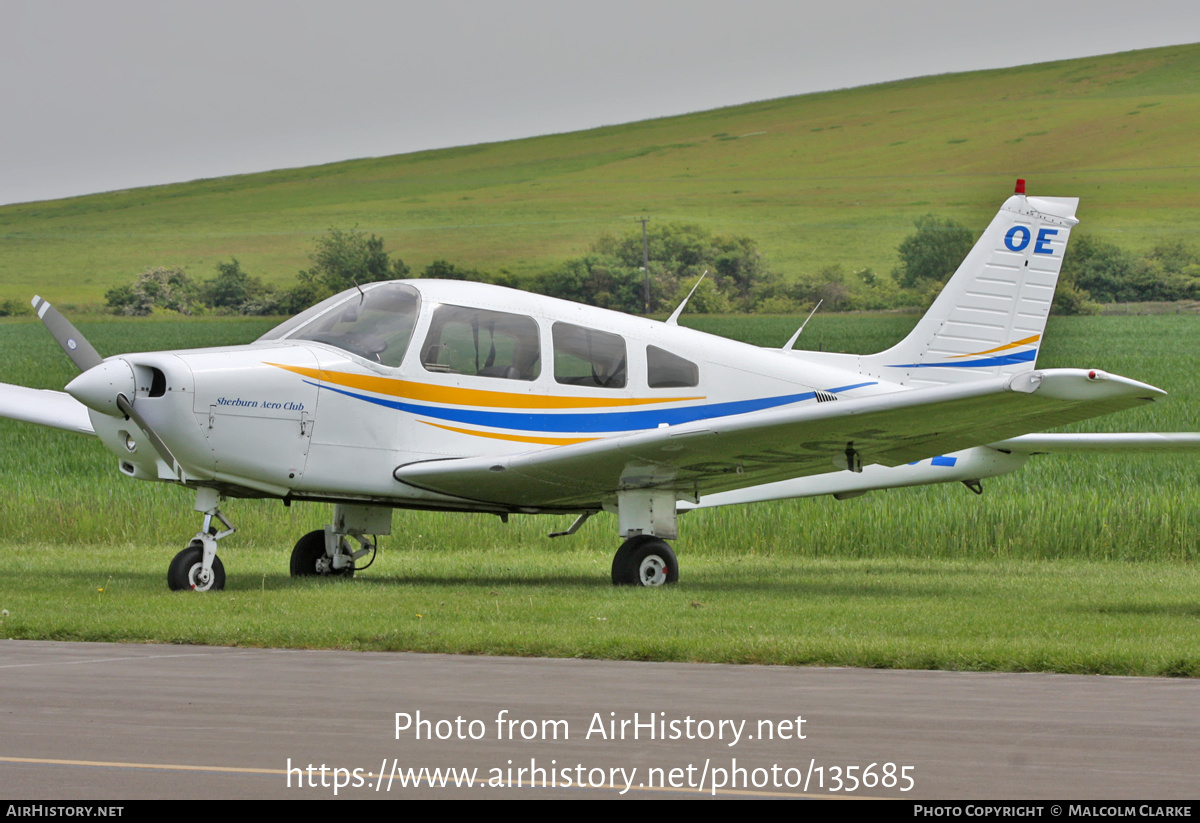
[1002, 360]
[591, 421]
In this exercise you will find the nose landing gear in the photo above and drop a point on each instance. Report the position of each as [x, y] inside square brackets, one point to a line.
[197, 568]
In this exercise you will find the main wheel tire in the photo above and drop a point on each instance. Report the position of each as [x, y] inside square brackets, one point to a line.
[186, 571]
[308, 553]
[645, 561]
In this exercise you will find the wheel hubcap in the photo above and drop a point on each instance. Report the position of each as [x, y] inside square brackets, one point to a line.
[653, 571]
[198, 579]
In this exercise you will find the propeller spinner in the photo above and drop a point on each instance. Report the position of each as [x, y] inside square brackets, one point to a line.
[105, 386]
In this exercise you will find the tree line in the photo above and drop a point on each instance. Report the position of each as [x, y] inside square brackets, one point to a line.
[610, 275]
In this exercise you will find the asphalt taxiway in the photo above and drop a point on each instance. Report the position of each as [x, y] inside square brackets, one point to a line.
[101, 721]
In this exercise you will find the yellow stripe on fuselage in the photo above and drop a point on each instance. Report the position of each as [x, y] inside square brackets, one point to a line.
[454, 396]
[517, 438]
[1024, 342]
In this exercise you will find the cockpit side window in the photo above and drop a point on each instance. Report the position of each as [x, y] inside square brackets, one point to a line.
[670, 371]
[482, 343]
[375, 324]
[587, 357]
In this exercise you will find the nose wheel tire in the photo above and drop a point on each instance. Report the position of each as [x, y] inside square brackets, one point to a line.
[645, 561]
[309, 558]
[186, 572]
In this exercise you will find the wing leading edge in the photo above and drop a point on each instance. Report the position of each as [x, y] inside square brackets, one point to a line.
[44, 407]
[750, 449]
[1116, 443]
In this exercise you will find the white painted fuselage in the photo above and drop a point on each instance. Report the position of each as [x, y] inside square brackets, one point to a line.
[304, 419]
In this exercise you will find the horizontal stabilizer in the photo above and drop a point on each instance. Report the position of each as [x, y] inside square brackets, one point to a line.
[47, 408]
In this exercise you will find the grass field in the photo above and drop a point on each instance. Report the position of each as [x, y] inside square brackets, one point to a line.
[818, 179]
[1072, 564]
[1084, 564]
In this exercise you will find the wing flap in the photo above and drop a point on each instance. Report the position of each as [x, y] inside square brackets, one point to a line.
[44, 407]
[762, 447]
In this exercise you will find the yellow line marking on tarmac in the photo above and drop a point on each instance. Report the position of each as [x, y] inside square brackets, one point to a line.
[518, 784]
[112, 764]
[87, 661]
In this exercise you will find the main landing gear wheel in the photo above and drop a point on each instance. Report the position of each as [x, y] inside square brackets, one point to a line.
[186, 572]
[309, 558]
[644, 561]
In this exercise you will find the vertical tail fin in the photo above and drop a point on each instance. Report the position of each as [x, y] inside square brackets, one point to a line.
[989, 318]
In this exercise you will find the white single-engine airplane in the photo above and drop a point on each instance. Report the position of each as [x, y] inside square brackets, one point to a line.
[460, 396]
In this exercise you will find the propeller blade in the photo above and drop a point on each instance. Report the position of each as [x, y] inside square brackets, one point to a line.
[124, 404]
[73, 343]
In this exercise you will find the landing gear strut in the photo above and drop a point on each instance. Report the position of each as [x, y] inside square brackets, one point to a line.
[311, 556]
[646, 516]
[197, 568]
[330, 552]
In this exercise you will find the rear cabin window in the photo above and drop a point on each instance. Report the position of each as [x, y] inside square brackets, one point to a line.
[586, 357]
[482, 343]
[670, 371]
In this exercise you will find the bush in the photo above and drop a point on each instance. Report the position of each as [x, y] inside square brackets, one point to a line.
[12, 308]
[1068, 299]
[342, 259]
[1110, 274]
[158, 288]
[596, 280]
[234, 291]
[611, 275]
[933, 253]
[706, 299]
[445, 270]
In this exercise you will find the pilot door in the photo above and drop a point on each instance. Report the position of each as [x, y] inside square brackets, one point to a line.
[353, 450]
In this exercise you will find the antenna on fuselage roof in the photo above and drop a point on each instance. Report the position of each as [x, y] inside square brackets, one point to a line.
[673, 320]
[788, 345]
[350, 315]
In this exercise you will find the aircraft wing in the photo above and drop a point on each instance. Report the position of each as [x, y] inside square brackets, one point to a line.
[47, 408]
[761, 447]
[1124, 442]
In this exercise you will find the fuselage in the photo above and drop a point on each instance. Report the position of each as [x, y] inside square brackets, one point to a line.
[327, 405]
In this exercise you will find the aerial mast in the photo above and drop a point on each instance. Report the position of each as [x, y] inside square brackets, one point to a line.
[645, 259]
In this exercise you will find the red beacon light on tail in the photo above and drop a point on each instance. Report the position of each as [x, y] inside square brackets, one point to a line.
[1020, 189]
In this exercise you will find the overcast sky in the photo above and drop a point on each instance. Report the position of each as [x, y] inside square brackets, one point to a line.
[110, 95]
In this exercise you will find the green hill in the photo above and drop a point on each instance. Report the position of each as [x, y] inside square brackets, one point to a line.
[835, 177]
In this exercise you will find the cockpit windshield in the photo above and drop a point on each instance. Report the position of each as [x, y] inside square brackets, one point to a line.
[375, 323]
